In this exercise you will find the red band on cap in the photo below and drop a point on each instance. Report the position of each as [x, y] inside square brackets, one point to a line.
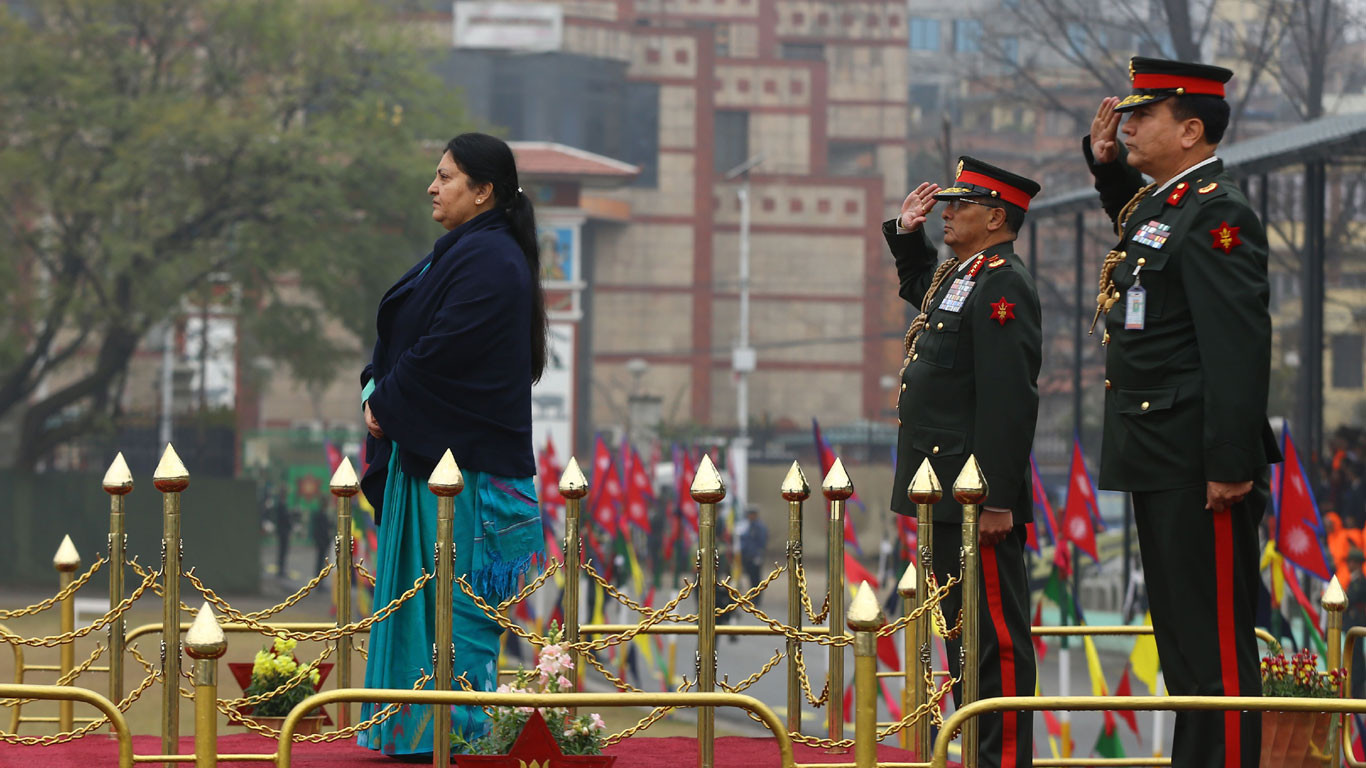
[1006, 192]
[1191, 84]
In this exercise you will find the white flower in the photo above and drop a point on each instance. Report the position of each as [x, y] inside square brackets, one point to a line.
[598, 724]
[569, 733]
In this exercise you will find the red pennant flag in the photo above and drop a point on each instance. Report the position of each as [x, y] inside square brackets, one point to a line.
[334, 456]
[849, 703]
[1299, 529]
[854, 572]
[906, 531]
[893, 708]
[827, 457]
[1295, 589]
[548, 472]
[1124, 689]
[1081, 509]
[1040, 647]
[606, 490]
[639, 489]
[684, 470]
[1043, 508]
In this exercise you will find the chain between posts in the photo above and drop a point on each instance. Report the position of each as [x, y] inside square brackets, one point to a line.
[551, 569]
[816, 618]
[781, 628]
[66, 592]
[52, 641]
[66, 679]
[321, 634]
[611, 591]
[266, 613]
[383, 714]
[754, 678]
[364, 574]
[156, 587]
[816, 701]
[941, 625]
[299, 677]
[647, 721]
[621, 685]
[930, 707]
[934, 594]
[93, 725]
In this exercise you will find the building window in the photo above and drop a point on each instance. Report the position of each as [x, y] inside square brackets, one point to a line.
[1347, 361]
[1010, 49]
[803, 52]
[642, 131]
[967, 36]
[732, 139]
[847, 158]
[925, 97]
[924, 34]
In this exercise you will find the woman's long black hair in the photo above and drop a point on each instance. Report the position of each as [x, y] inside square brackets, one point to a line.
[487, 159]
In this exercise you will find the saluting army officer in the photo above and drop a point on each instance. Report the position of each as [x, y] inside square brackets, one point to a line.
[1188, 335]
[970, 387]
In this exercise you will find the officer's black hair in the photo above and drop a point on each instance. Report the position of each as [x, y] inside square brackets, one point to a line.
[1015, 216]
[1210, 110]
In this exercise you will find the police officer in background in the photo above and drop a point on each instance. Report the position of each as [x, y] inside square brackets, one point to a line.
[970, 387]
[1188, 346]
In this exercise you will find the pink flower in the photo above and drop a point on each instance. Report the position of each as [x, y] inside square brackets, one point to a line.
[597, 723]
[563, 682]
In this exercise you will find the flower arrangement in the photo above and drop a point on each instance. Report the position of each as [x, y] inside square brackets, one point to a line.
[275, 667]
[1299, 676]
[580, 735]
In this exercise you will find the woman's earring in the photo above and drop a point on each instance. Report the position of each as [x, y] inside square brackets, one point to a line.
[478, 201]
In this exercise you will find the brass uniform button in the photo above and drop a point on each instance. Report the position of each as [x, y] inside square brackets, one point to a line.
[1107, 384]
[935, 450]
[1182, 185]
[1124, 254]
[915, 357]
[1144, 405]
[903, 386]
[898, 422]
[939, 327]
[1142, 261]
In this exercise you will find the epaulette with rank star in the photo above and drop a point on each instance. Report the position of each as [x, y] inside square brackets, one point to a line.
[996, 261]
[1178, 193]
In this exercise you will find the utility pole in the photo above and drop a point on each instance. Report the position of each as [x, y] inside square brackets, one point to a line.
[742, 356]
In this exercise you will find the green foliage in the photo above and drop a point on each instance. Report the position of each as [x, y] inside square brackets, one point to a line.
[274, 668]
[1299, 676]
[581, 735]
[151, 149]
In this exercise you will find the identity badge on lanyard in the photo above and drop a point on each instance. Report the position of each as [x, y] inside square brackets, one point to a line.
[1135, 304]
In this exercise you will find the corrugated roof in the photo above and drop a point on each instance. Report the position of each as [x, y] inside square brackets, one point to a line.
[1327, 138]
[544, 158]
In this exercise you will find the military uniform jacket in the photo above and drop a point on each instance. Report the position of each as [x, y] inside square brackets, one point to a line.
[1185, 395]
[972, 387]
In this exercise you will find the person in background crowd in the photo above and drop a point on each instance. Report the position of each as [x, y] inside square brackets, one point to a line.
[1355, 615]
[753, 543]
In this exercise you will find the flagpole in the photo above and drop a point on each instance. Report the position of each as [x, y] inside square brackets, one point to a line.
[1065, 659]
[1158, 725]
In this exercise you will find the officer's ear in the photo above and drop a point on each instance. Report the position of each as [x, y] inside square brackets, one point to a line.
[996, 220]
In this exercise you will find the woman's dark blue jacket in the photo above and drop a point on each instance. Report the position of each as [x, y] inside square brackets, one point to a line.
[452, 363]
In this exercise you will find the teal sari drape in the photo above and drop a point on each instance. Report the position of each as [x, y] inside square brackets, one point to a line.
[498, 538]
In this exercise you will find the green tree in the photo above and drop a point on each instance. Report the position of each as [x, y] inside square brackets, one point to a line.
[153, 149]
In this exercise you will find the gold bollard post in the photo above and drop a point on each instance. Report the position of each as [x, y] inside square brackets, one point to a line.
[865, 619]
[204, 643]
[707, 490]
[171, 478]
[924, 492]
[344, 485]
[1334, 601]
[912, 695]
[446, 482]
[573, 487]
[795, 490]
[970, 490]
[66, 561]
[118, 482]
[837, 488]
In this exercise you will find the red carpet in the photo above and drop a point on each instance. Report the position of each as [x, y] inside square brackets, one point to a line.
[98, 751]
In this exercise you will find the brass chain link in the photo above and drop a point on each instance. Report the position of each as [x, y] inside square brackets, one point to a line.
[816, 618]
[65, 679]
[531, 586]
[941, 624]
[66, 592]
[93, 725]
[930, 707]
[621, 685]
[318, 635]
[289, 602]
[651, 619]
[754, 590]
[816, 701]
[380, 716]
[813, 741]
[648, 720]
[934, 595]
[364, 574]
[156, 586]
[754, 678]
[781, 628]
[626, 600]
[52, 641]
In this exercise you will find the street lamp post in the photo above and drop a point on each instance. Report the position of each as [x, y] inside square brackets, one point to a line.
[743, 356]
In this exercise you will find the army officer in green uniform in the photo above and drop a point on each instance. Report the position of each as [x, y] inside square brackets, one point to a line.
[970, 387]
[1183, 297]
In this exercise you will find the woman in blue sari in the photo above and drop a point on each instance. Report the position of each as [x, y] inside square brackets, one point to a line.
[462, 336]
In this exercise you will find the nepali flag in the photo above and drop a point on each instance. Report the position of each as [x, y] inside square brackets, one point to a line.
[1080, 512]
[604, 503]
[1043, 510]
[827, 457]
[549, 470]
[1299, 529]
[684, 471]
[639, 489]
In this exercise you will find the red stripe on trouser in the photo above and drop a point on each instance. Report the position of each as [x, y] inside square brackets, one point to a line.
[991, 581]
[1228, 649]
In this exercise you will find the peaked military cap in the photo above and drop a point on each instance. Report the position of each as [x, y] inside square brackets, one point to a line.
[1157, 79]
[978, 179]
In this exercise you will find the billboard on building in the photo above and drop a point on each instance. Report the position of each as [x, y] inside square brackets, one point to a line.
[509, 26]
[552, 398]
